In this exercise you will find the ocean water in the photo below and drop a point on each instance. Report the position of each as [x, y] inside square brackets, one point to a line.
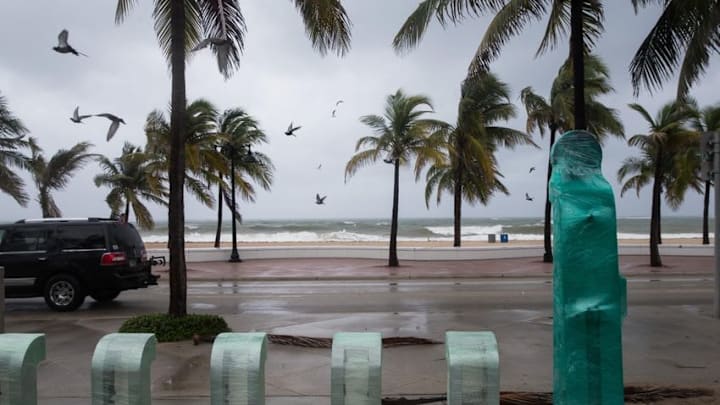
[438, 229]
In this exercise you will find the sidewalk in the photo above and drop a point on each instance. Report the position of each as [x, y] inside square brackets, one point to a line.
[373, 269]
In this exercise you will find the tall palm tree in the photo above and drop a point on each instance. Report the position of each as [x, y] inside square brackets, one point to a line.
[131, 178]
[240, 133]
[12, 141]
[401, 135]
[659, 163]
[556, 114]
[685, 36]
[179, 26]
[203, 160]
[55, 173]
[585, 19]
[707, 120]
[471, 171]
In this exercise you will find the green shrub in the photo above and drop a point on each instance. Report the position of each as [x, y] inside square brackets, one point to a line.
[169, 328]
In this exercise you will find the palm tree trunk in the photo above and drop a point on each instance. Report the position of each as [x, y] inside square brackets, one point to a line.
[577, 50]
[393, 259]
[655, 260]
[127, 210]
[659, 223]
[547, 230]
[176, 214]
[219, 216]
[457, 209]
[44, 206]
[706, 210]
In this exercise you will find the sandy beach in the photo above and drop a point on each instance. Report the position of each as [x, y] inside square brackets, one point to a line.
[415, 244]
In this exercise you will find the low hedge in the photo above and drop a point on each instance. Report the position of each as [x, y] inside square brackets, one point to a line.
[169, 328]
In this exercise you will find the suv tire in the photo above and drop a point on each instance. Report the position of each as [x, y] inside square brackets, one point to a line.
[63, 293]
[105, 295]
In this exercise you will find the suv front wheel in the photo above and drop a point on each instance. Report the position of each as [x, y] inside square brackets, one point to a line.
[63, 293]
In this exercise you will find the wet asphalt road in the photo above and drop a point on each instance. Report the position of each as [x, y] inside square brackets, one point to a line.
[313, 297]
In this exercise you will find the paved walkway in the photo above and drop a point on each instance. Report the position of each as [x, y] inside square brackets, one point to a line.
[339, 269]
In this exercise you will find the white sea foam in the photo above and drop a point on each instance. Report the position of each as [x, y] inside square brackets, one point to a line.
[466, 230]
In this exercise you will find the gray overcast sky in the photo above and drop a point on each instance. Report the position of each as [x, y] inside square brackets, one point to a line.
[282, 79]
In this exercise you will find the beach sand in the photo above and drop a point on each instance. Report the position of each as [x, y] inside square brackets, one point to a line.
[415, 244]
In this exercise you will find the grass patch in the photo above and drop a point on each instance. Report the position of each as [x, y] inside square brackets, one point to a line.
[174, 328]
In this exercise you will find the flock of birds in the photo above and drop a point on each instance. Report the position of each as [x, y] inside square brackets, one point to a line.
[222, 45]
[290, 131]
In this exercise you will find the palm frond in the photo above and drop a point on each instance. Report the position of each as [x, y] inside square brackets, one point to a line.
[326, 24]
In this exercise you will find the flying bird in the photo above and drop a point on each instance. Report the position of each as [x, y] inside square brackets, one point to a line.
[116, 121]
[291, 129]
[320, 200]
[531, 169]
[333, 113]
[63, 46]
[77, 118]
[319, 166]
[337, 103]
[527, 197]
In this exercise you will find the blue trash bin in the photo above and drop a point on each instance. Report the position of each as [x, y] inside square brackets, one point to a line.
[504, 238]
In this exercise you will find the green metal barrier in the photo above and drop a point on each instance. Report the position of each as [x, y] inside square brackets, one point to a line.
[20, 354]
[237, 369]
[473, 368]
[121, 369]
[356, 369]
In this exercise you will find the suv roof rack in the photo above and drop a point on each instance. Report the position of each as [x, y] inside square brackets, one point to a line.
[41, 220]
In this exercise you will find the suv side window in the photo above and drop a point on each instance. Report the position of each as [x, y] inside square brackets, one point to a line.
[25, 240]
[81, 237]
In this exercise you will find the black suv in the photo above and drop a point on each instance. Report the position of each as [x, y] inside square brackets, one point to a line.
[63, 260]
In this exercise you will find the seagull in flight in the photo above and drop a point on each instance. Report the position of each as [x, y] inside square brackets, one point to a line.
[77, 118]
[291, 129]
[64, 47]
[337, 103]
[320, 200]
[333, 113]
[527, 197]
[319, 166]
[116, 121]
[532, 169]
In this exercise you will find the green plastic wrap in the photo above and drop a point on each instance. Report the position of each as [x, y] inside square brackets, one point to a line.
[237, 369]
[121, 369]
[589, 293]
[473, 366]
[20, 354]
[356, 372]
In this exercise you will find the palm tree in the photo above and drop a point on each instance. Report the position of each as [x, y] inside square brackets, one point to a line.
[471, 171]
[685, 36]
[55, 173]
[707, 120]
[240, 133]
[12, 140]
[401, 135]
[585, 17]
[203, 160]
[556, 114]
[179, 26]
[667, 137]
[131, 178]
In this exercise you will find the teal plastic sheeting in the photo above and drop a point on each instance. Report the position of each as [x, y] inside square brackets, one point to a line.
[473, 368]
[589, 293]
[356, 373]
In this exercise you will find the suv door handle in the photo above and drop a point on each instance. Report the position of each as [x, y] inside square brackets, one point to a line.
[42, 259]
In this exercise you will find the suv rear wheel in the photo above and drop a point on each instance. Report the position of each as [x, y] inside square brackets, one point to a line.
[104, 295]
[63, 293]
